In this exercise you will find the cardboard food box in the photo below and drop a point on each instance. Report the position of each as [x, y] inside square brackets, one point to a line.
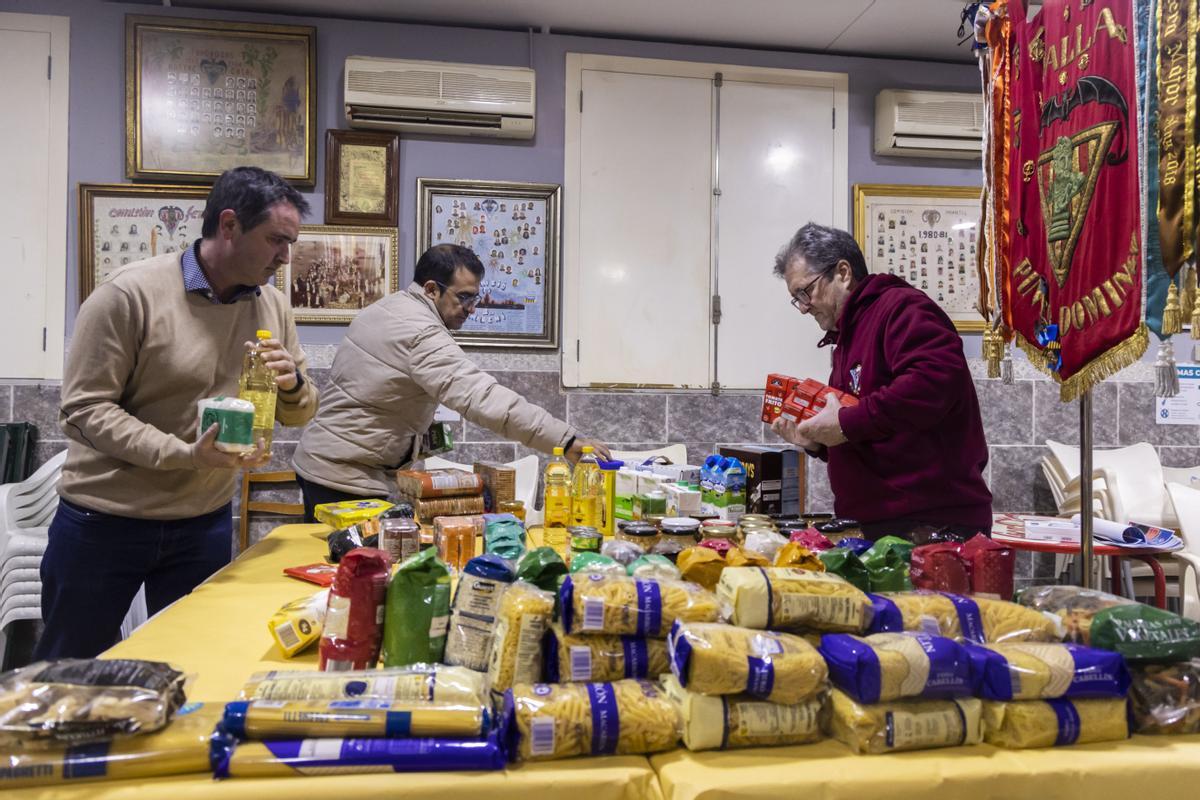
[764, 477]
[499, 481]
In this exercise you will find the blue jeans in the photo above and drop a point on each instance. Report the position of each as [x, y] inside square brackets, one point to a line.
[94, 564]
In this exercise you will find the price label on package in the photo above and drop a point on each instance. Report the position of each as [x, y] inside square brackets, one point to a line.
[1184, 408]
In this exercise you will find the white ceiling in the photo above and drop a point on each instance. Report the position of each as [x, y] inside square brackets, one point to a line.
[921, 29]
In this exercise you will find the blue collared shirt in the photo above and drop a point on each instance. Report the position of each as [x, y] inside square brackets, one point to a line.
[194, 279]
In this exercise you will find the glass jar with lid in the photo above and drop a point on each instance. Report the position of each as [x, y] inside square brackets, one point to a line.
[684, 530]
[514, 507]
[726, 532]
[641, 533]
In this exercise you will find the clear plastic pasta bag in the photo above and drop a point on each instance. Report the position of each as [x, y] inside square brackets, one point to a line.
[712, 723]
[623, 605]
[715, 659]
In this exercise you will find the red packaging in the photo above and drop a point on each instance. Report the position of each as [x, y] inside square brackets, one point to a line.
[722, 546]
[808, 397]
[354, 618]
[812, 539]
[941, 568]
[992, 565]
[778, 388]
[320, 574]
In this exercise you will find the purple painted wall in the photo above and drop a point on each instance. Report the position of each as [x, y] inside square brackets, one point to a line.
[97, 108]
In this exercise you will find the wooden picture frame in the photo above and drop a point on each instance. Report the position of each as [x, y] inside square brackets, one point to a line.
[927, 235]
[202, 96]
[338, 270]
[120, 223]
[362, 178]
[514, 228]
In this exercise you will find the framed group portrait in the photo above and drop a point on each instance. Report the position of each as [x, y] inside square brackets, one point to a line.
[202, 96]
[338, 270]
[514, 230]
[362, 176]
[121, 223]
[929, 236]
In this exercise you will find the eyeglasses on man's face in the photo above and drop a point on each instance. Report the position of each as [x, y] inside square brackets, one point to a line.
[466, 299]
[803, 297]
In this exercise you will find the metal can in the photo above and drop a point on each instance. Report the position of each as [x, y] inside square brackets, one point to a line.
[583, 539]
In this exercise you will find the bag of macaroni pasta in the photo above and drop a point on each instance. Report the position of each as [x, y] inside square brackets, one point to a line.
[598, 657]
[1166, 697]
[1137, 631]
[711, 723]
[182, 747]
[516, 657]
[1036, 671]
[431, 683]
[778, 598]
[579, 719]
[299, 624]
[632, 606]
[1054, 723]
[891, 666]
[77, 700]
[716, 659]
[904, 724]
[973, 619]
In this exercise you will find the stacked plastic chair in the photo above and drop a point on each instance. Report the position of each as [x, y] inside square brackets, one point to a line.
[26, 509]
[1186, 500]
[1127, 483]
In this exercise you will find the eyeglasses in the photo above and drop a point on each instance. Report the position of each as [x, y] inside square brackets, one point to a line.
[804, 297]
[465, 298]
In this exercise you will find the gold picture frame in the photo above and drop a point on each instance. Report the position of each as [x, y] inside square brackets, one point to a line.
[120, 223]
[202, 96]
[338, 270]
[514, 229]
[927, 235]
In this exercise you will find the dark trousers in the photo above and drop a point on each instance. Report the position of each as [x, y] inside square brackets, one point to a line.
[315, 494]
[94, 564]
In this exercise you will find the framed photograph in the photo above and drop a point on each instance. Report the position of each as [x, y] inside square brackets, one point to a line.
[202, 96]
[927, 235]
[362, 177]
[120, 223]
[514, 229]
[337, 271]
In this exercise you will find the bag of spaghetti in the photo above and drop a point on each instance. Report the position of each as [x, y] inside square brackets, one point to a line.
[891, 666]
[1135, 630]
[972, 619]
[904, 724]
[720, 723]
[1037, 671]
[1054, 723]
[598, 657]
[632, 606]
[521, 622]
[1166, 697]
[430, 683]
[777, 598]
[181, 748]
[716, 659]
[358, 718]
[299, 624]
[581, 719]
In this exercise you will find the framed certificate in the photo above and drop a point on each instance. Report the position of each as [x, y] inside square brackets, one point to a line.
[362, 175]
[927, 235]
[514, 229]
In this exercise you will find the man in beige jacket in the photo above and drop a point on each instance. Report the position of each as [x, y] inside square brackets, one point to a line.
[397, 363]
[143, 500]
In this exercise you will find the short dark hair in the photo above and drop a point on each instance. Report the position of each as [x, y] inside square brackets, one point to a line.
[439, 262]
[249, 192]
[822, 248]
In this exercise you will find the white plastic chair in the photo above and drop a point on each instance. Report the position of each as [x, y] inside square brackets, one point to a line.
[675, 453]
[1139, 473]
[1186, 502]
[1188, 476]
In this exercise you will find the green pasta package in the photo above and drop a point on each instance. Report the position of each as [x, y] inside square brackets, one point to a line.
[721, 723]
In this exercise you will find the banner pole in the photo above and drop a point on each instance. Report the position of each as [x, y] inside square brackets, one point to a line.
[1085, 487]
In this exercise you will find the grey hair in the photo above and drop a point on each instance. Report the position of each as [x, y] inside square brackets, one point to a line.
[822, 248]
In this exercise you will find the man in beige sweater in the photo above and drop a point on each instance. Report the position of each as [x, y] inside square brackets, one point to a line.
[143, 500]
[397, 363]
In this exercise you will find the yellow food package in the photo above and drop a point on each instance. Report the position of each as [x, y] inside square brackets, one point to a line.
[975, 619]
[349, 512]
[635, 606]
[181, 747]
[738, 557]
[521, 622]
[712, 723]
[573, 658]
[434, 683]
[778, 598]
[701, 565]
[1054, 723]
[578, 719]
[299, 624]
[797, 556]
[716, 659]
[904, 724]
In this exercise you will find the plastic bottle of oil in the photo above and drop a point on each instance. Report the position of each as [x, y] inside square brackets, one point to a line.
[257, 384]
[556, 502]
[586, 491]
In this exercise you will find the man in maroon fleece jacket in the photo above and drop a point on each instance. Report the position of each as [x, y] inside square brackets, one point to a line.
[909, 458]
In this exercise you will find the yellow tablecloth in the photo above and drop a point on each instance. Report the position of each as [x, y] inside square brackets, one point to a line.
[218, 634]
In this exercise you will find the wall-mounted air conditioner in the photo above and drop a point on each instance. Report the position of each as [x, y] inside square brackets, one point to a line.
[928, 124]
[433, 97]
